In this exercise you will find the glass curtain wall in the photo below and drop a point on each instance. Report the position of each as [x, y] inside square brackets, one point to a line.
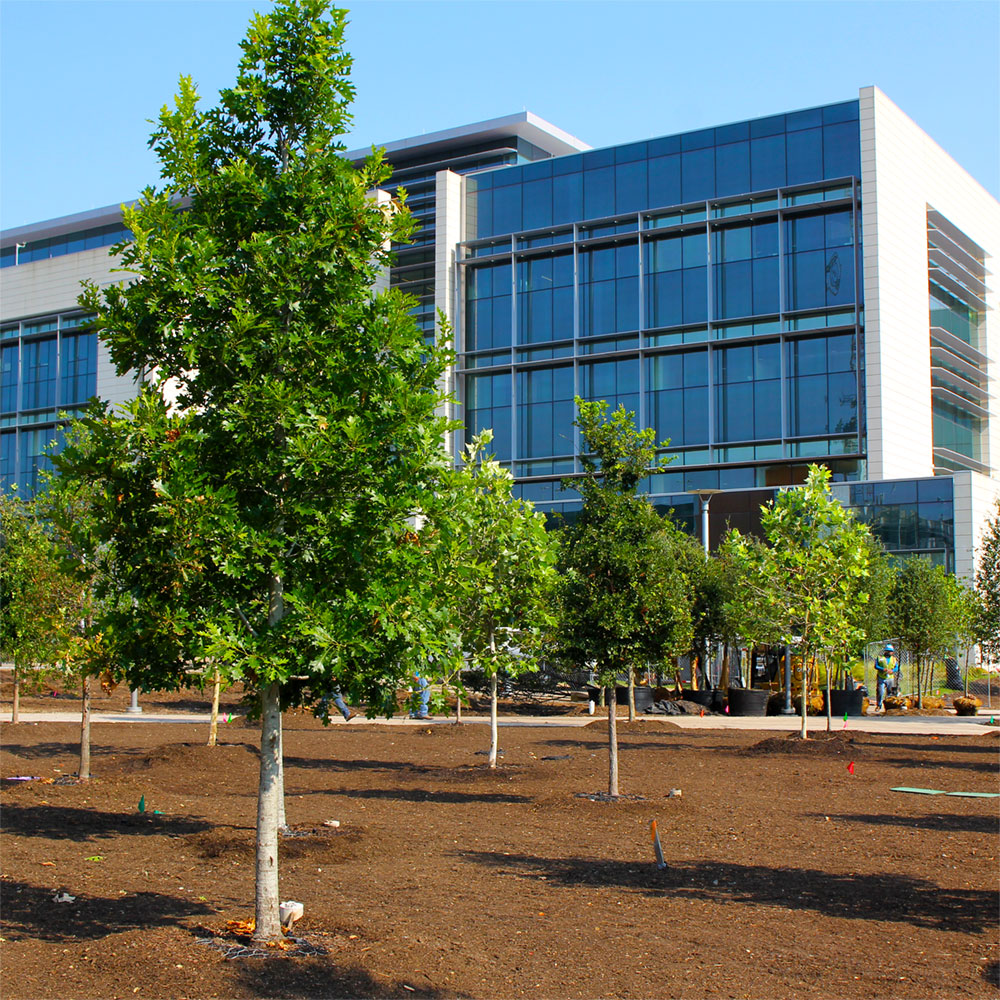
[707, 282]
[48, 369]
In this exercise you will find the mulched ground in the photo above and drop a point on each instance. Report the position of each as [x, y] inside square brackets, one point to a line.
[788, 876]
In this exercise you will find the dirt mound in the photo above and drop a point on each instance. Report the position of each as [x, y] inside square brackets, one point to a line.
[818, 745]
[191, 757]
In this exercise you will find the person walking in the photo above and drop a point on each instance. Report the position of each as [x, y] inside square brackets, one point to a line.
[423, 711]
[886, 675]
[338, 700]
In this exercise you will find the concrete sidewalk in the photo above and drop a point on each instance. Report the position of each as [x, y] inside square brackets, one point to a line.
[934, 725]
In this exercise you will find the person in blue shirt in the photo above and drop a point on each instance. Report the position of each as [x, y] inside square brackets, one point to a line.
[886, 674]
[423, 711]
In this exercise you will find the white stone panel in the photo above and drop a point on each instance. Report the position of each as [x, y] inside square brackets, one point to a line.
[448, 233]
[903, 173]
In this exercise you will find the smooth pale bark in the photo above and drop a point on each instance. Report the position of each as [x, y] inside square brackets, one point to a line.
[15, 712]
[85, 731]
[829, 707]
[213, 726]
[268, 922]
[724, 676]
[631, 695]
[458, 705]
[612, 745]
[494, 732]
[282, 821]
[804, 730]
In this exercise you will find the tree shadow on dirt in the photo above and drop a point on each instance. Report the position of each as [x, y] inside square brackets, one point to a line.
[893, 897]
[946, 822]
[980, 766]
[320, 979]
[424, 795]
[68, 823]
[41, 751]
[941, 745]
[328, 764]
[29, 911]
[624, 743]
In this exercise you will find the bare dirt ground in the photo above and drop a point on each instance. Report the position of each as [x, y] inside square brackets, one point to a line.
[787, 875]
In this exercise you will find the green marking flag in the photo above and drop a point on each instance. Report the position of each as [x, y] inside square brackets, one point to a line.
[142, 803]
[919, 791]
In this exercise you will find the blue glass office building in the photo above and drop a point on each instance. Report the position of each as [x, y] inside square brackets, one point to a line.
[813, 286]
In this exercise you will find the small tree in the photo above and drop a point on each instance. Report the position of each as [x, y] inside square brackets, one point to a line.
[37, 599]
[801, 586]
[503, 570]
[928, 609]
[262, 521]
[624, 599]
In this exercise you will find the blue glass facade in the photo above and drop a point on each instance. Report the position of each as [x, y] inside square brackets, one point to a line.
[710, 282]
[48, 369]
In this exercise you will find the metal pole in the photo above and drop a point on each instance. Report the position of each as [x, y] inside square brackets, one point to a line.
[704, 522]
[134, 707]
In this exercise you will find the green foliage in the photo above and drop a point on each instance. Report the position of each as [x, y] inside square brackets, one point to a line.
[40, 604]
[803, 585]
[988, 589]
[263, 516]
[625, 600]
[502, 567]
[930, 611]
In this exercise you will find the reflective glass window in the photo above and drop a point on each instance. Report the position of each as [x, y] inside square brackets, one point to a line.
[507, 209]
[767, 162]
[609, 290]
[488, 404]
[841, 150]
[79, 369]
[747, 392]
[38, 373]
[698, 174]
[804, 151]
[630, 186]
[732, 169]
[567, 197]
[598, 193]
[537, 204]
[664, 181]
[822, 385]
[488, 307]
[9, 356]
[614, 381]
[545, 298]
[8, 459]
[546, 411]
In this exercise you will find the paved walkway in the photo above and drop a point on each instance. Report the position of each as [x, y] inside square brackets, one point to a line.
[933, 725]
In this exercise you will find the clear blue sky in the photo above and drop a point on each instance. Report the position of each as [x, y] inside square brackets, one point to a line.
[79, 79]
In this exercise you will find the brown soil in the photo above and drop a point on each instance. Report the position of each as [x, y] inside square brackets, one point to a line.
[787, 876]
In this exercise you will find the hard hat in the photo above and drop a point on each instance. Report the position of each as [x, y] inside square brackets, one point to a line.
[889, 648]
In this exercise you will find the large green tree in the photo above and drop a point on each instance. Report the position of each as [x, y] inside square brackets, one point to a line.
[800, 586]
[502, 573]
[624, 598]
[263, 517]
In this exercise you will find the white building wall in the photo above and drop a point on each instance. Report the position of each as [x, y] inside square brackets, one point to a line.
[448, 234]
[975, 504]
[903, 172]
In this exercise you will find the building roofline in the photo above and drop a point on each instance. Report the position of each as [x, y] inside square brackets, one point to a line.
[524, 125]
[106, 216]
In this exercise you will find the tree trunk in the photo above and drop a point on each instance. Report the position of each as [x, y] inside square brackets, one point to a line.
[268, 921]
[282, 821]
[458, 703]
[829, 708]
[920, 678]
[631, 695]
[213, 726]
[804, 730]
[85, 731]
[612, 746]
[15, 712]
[494, 735]
[695, 667]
